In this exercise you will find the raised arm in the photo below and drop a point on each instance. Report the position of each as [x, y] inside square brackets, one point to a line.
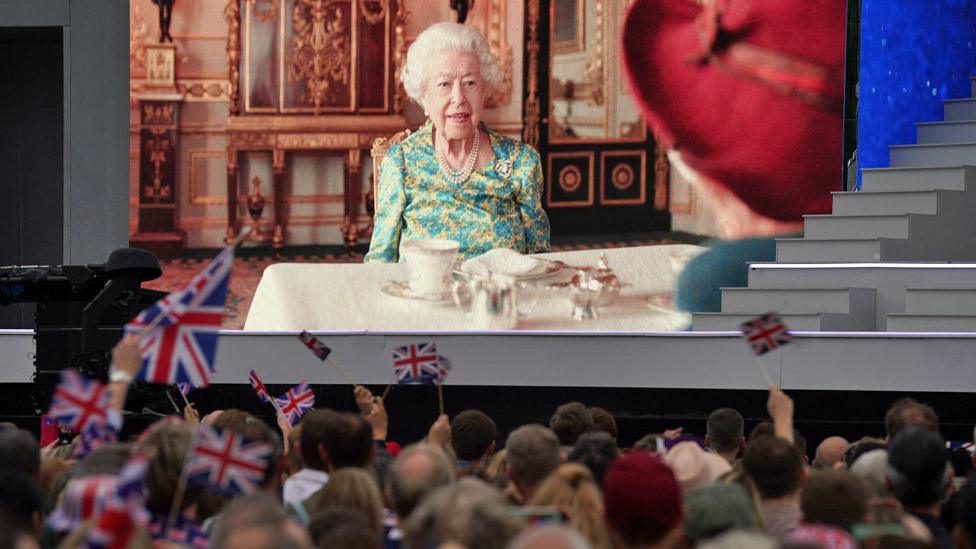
[391, 200]
[535, 222]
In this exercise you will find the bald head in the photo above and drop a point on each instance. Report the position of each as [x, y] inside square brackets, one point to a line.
[551, 536]
[830, 452]
[416, 472]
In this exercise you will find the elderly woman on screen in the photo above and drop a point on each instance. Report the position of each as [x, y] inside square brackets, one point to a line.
[454, 178]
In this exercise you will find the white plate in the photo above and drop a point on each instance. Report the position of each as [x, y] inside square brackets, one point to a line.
[400, 289]
[549, 268]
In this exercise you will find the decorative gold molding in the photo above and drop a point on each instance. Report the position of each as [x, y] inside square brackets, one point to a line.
[321, 52]
[205, 222]
[493, 25]
[531, 110]
[203, 90]
[662, 170]
[297, 141]
[399, 54]
[640, 179]
[138, 35]
[374, 17]
[268, 13]
[579, 42]
[594, 65]
[197, 199]
[589, 156]
[232, 13]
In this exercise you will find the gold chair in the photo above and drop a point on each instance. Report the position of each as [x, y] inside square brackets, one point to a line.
[380, 147]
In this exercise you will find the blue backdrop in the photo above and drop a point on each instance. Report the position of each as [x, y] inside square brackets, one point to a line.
[914, 54]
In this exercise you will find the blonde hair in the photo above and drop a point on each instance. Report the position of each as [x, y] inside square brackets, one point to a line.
[353, 488]
[441, 37]
[572, 490]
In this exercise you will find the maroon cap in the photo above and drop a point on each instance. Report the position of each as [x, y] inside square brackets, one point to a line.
[642, 497]
[749, 91]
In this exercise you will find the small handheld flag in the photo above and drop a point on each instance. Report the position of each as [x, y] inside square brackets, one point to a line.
[79, 402]
[416, 363]
[259, 387]
[295, 402]
[180, 343]
[317, 347]
[766, 333]
[226, 462]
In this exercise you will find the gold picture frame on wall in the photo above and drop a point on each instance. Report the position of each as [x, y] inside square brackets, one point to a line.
[568, 26]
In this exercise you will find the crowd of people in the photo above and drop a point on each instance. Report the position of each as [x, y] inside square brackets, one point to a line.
[338, 480]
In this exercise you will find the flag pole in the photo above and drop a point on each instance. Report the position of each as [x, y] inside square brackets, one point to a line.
[343, 373]
[185, 400]
[765, 372]
[173, 402]
[174, 508]
[440, 399]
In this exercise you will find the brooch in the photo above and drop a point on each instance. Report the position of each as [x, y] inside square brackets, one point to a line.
[504, 167]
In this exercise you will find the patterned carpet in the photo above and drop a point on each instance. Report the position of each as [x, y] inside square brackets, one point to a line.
[250, 264]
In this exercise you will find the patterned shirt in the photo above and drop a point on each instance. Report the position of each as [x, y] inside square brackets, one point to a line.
[499, 206]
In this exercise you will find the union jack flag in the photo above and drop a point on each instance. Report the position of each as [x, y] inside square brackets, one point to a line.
[184, 388]
[443, 368]
[79, 402]
[259, 387]
[226, 462]
[93, 436]
[295, 402]
[766, 333]
[416, 363]
[182, 346]
[317, 347]
[124, 508]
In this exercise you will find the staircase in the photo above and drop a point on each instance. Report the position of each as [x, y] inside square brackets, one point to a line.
[900, 255]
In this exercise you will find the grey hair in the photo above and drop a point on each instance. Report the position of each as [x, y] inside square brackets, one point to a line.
[441, 37]
[468, 512]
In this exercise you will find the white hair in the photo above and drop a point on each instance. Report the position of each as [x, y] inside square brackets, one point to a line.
[557, 536]
[441, 37]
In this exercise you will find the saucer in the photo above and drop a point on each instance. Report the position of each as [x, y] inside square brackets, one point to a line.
[401, 289]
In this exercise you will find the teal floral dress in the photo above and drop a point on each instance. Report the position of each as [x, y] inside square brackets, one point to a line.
[499, 206]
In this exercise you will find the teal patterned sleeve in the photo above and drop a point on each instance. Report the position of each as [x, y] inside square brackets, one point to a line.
[535, 222]
[391, 200]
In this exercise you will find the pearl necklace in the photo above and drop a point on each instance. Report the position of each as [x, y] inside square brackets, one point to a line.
[460, 176]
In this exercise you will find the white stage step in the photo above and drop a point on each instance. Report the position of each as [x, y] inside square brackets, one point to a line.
[823, 322]
[757, 301]
[848, 227]
[961, 131]
[943, 154]
[889, 280]
[940, 301]
[805, 250]
[952, 178]
[888, 203]
[903, 322]
[959, 109]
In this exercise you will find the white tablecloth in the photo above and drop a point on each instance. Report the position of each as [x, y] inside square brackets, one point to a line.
[346, 297]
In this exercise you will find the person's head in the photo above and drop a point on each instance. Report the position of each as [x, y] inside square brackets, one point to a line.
[166, 446]
[549, 536]
[294, 444]
[964, 532]
[19, 452]
[230, 419]
[450, 71]
[862, 446]
[468, 512]
[907, 412]
[917, 469]
[416, 472]
[344, 528]
[596, 451]
[570, 421]
[353, 488]
[716, 508]
[20, 504]
[724, 431]
[642, 500]
[572, 489]
[693, 466]
[774, 465]
[254, 429]
[257, 522]
[834, 497]
[532, 453]
[765, 428]
[872, 468]
[830, 452]
[332, 440]
[603, 421]
[473, 435]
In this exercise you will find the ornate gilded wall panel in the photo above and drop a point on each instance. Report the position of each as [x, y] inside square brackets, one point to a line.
[623, 178]
[569, 180]
[320, 39]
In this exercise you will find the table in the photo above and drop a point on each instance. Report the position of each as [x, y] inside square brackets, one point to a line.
[347, 297]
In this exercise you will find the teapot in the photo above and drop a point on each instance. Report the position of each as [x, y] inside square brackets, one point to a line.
[493, 301]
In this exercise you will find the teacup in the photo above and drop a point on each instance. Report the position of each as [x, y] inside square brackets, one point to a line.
[430, 263]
